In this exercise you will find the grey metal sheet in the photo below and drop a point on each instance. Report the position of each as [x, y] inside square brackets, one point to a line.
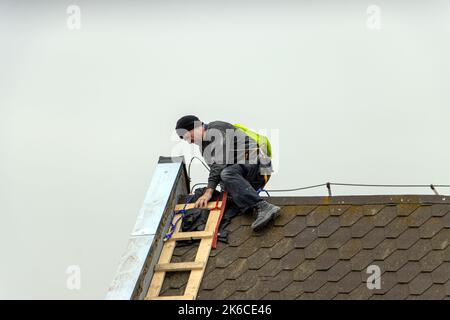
[156, 199]
[143, 246]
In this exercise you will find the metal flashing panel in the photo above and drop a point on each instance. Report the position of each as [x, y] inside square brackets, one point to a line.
[136, 264]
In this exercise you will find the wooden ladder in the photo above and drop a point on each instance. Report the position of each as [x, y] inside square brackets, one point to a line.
[197, 267]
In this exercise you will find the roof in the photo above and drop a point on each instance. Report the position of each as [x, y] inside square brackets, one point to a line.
[320, 248]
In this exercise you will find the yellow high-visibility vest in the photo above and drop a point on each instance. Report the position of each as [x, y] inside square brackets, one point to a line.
[262, 141]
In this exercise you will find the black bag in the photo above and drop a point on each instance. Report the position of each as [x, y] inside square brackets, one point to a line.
[195, 219]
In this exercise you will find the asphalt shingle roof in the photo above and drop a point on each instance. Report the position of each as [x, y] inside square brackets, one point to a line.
[320, 248]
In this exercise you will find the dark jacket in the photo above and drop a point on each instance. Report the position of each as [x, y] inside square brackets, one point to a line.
[224, 145]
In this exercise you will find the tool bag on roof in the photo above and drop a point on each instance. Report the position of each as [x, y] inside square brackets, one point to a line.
[262, 141]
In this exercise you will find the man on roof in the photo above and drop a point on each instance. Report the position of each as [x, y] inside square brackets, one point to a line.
[237, 162]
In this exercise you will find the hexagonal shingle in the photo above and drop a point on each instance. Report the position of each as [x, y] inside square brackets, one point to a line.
[408, 272]
[435, 292]
[419, 250]
[372, 209]
[338, 238]
[247, 280]
[396, 228]
[447, 288]
[258, 259]
[317, 216]
[396, 260]
[220, 246]
[338, 209]
[227, 257]
[190, 254]
[442, 273]
[385, 216]
[419, 216]
[222, 291]
[329, 226]
[304, 238]
[287, 214]
[446, 220]
[446, 254]
[239, 236]
[292, 291]
[210, 265]
[384, 249]
[181, 249]
[259, 290]
[362, 227]
[281, 248]
[430, 228]
[304, 210]
[439, 210]
[271, 236]
[315, 281]
[398, 292]
[432, 260]
[350, 282]
[408, 238]
[441, 240]
[361, 260]
[351, 215]
[281, 281]
[327, 292]
[175, 280]
[421, 283]
[404, 210]
[339, 270]
[234, 224]
[373, 238]
[327, 259]
[348, 250]
[213, 279]
[291, 260]
[295, 226]
[304, 270]
[249, 247]
[236, 269]
[270, 269]
[316, 248]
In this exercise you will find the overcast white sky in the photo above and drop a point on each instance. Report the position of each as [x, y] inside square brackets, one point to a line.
[85, 114]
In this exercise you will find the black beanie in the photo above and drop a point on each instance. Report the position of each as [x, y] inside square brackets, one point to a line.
[187, 123]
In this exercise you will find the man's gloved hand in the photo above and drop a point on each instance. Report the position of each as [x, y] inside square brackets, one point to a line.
[204, 199]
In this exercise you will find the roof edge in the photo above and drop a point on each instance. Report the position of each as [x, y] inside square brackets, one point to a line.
[361, 199]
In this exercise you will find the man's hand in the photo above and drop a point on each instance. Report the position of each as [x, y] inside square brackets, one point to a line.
[204, 199]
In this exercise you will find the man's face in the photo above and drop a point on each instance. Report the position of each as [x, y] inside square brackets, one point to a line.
[189, 136]
[194, 135]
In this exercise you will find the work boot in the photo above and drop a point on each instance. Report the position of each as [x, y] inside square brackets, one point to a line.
[265, 212]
